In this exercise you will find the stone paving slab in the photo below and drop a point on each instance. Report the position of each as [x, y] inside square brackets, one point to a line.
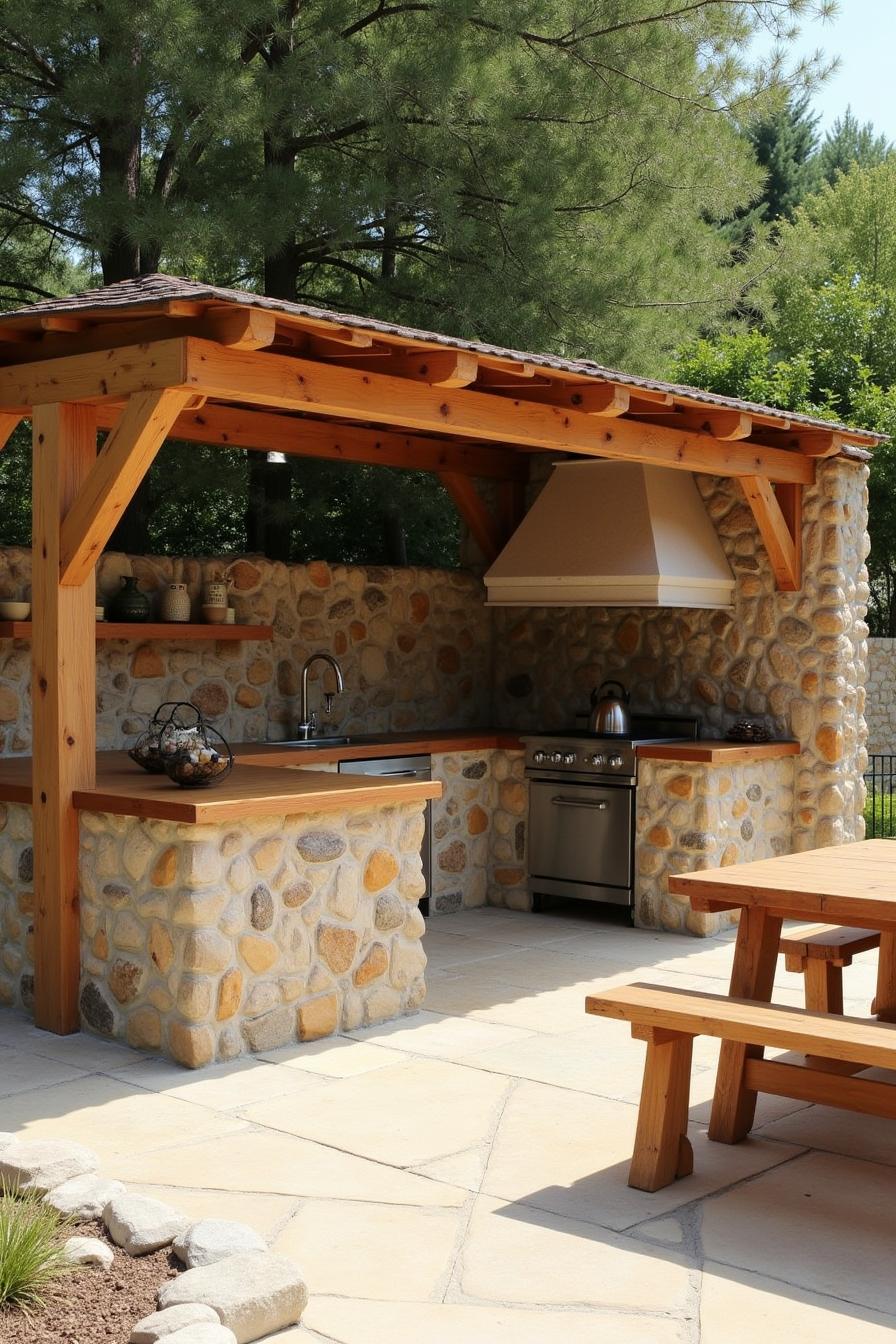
[466, 1203]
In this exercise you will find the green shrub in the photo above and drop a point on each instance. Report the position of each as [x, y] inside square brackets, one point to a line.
[30, 1249]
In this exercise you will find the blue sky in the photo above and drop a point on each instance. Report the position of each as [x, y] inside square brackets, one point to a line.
[863, 35]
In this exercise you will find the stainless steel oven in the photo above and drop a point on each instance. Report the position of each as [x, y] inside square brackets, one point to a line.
[581, 839]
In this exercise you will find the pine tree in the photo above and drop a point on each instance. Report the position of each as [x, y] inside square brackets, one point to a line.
[851, 144]
[784, 143]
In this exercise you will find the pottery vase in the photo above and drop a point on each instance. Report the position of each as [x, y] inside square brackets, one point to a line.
[215, 595]
[175, 604]
[129, 605]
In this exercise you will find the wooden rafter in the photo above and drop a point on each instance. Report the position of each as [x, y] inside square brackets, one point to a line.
[484, 526]
[780, 530]
[610, 399]
[237, 427]
[724, 425]
[114, 476]
[299, 385]
[242, 328]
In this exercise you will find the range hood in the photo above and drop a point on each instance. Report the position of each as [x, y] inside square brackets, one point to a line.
[613, 534]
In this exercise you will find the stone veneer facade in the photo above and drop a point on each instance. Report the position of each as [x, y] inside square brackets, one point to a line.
[414, 644]
[880, 706]
[479, 830]
[694, 816]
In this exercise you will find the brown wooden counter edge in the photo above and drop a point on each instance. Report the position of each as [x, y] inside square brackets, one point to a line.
[717, 752]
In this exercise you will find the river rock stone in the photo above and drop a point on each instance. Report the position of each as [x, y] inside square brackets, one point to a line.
[88, 1251]
[43, 1164]
[164, 1324]
[213, 1239]
[83, 1196]
[140, 1224]
[203, 1334]
[254, 1293]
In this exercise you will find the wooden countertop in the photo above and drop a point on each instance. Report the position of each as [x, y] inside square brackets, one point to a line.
[369, 747]
[248, 791]
[717, 752]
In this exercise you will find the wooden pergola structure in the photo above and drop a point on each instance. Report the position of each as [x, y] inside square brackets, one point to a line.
[160, 357]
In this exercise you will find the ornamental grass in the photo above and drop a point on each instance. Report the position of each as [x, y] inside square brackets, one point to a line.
[31, 1254]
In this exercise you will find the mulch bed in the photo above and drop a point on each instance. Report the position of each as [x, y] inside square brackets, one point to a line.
[94, 1306]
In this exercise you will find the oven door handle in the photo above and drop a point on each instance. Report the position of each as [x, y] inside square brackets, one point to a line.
[559, 801]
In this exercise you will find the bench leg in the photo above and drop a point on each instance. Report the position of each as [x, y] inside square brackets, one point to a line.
[662, 1149]
[824, 986]
[752, 977]
[884, 1005]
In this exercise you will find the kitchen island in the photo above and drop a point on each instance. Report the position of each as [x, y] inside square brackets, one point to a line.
[276, 906]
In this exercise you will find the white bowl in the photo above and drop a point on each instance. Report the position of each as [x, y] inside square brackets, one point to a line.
[214, 615]
[15, 611]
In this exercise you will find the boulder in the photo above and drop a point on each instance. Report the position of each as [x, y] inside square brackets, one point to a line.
[43, 1164]
[164, 1324]
[140, 1224]
[203, 1334]
[254, 1293]
[88, 1251]
[214, 1239]
[83, 1196]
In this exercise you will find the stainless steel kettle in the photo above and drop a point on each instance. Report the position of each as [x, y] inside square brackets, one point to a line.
[609, 712]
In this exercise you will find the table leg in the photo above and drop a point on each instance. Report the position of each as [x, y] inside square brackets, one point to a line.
[884, 1005]
[752, 977]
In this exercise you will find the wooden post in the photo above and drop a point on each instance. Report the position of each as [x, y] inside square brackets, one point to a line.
[64, 710]
[662, 1148]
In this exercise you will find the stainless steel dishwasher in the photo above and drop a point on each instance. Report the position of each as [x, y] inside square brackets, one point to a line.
[403, 767]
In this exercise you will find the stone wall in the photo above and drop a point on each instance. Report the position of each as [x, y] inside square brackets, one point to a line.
[690, 817]
[16, 906]
[414, 644]
[207, 942]
[880, 704]
[795, 660]
[479, 831]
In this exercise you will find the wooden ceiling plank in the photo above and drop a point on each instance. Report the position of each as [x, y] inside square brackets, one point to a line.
[782, 548]
[236, 427]
[296, 384]
[484, 527]
[120, 467]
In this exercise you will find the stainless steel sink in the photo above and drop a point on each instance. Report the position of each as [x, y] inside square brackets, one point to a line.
[314, 742]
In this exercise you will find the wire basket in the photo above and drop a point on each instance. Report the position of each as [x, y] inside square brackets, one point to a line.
[194, 756]
[147, 750]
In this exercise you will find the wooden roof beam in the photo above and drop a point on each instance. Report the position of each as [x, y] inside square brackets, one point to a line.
[720, 424]
[242, 328]
[109, 487]
[610, 399]
[331, 390]
[484, 527]
[237, 427]
[780, 531]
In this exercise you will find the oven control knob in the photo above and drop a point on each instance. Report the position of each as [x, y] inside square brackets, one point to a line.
[596, 759]
[539, 758]
[615, 762]
[569, 758]
[556, 757]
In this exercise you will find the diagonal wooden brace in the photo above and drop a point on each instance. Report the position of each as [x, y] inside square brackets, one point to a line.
[779, 517]
[124, 460]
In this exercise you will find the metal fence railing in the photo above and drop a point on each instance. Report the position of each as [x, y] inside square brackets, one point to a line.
[880, 804]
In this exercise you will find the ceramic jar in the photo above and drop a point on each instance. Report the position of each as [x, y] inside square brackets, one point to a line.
[214, 595]
[175, 604]
[129, 604]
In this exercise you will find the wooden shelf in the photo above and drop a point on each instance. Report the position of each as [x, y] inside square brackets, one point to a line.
[148, 630]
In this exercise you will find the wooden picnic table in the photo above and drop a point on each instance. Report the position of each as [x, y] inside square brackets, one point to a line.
[851, 885]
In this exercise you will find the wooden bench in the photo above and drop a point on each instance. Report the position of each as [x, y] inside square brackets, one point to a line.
[669, 1019]
[819, 952]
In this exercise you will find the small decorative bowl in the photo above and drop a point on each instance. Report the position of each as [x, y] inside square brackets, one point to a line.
[214, 615]
[15, 611]
[148, 750]
[748, 730]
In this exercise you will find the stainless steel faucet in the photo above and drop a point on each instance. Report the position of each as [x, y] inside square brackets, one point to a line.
[308, 722]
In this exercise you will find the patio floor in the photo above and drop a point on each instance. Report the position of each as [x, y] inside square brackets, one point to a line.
[459, 1177]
